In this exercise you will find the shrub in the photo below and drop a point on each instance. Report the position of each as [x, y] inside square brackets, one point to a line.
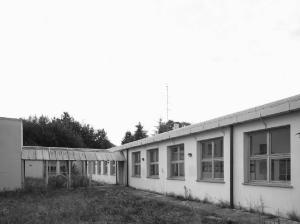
[294, 216]
[58, 181]
[80, 181]
[34, 185]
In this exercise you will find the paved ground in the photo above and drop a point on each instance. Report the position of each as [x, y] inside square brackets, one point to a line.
[221, 214]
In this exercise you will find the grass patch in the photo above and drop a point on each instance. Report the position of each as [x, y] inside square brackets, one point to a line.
[294, 216]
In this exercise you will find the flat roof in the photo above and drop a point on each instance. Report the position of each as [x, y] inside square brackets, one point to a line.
[283, 106]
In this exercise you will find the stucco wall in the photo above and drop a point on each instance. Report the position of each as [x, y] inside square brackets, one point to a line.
[214, 192]
[34, 169]
[10, 153]
[273, 199]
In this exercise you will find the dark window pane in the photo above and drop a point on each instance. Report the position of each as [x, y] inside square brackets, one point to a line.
[181, 152]
[137, 170]
[174, 170]
[218, 169]
[258, 143]
[104, 167]
[153, 155]
[280, 140]
[181, 169]
[174, 154]
[258, 169]
[206, 170]
[218, 150]
[206, 150]
[99, 167]
[154, 170]
[137, 157]
[281, 169]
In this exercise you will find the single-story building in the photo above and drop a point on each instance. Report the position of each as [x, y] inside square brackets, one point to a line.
[248, 159]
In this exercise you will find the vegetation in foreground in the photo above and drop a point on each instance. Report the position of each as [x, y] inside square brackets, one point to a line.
[93, 205]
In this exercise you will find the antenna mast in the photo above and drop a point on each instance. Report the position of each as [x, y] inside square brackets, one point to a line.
[167, 88]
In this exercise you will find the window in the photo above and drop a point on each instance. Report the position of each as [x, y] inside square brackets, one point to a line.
[136, 161]
[52, 168]
[92, 168]
[269, 155]
[153, 167]
[105, 167]
[112, 168]
[63, 167]
[99, 167]
[176, 159]
[211, 159]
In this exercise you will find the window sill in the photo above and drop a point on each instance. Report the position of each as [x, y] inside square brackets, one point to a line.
[136, 176]
[153, 177]
[211, 181]
[261, 184]
[176, 178]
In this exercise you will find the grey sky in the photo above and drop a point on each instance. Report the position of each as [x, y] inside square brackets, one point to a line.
[107, 62]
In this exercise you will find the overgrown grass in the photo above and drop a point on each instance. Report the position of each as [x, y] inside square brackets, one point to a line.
[294, 216]
[87, 205]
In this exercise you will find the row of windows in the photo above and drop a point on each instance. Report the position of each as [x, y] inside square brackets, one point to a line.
[268, 158]
[92, 167]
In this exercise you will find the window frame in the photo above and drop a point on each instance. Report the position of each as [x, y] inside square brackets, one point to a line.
[134, 163]
[269, 156]
[179, 161]
[99, 168]
[211, 160]
[149, 163]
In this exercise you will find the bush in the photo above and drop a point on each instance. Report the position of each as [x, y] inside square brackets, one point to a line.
[34, 185]
[80, 181]
[59, 181]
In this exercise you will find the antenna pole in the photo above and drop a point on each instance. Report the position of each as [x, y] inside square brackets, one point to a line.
[167, 87]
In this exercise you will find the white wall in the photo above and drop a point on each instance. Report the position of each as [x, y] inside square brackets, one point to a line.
[34, 169]
[10, 153]
[274, 198]
[106, 178]
[215, 192]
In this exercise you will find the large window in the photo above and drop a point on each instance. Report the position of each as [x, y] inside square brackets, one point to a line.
[99, 167]
[136, 164]
[269, 155]
[211, 159]
[153, 167]
[176, 161]
[112, 168]
[104, 167]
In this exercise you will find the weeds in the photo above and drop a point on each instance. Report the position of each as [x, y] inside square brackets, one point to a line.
[294, 216]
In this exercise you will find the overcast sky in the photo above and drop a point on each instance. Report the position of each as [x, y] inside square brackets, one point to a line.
[107, 62]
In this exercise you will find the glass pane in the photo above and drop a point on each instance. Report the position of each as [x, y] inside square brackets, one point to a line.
[218, 150]
[206, 170]
[137, 170]
[99, 167]
[181, 153]
[280, 140]
[206, 150]
[174, 170]
[258, 169]
[63, 167]
[137, 157]
[281, 169]
[153, 155]
[218, 169]
[154, 170]
[174, 154]
[258, 143]
[181, 169]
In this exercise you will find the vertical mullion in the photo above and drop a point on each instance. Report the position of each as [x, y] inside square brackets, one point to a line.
[268, 156]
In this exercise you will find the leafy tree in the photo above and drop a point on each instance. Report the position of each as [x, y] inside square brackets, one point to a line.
[63, 132]
[127, 138]
[169, 125]
[139, 132]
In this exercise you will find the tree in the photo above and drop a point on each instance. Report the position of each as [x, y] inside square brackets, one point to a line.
[127, 138]
[63, 132]
[169, 125]
[139, 132]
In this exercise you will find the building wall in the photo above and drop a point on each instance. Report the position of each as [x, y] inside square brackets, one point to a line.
[272, 199]
[10, 153]
[214, 192]
[34, 169]
[106, 178]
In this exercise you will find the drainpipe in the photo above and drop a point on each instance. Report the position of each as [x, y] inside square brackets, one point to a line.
[231, 167]
[127, 183]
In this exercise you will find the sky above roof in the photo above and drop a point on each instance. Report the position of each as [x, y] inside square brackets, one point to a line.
[107, 62]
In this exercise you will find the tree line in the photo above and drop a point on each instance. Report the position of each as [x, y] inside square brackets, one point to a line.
[65, 131]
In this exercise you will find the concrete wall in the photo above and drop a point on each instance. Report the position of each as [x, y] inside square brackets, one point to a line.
[10, 153]
[214, 192]
[106, 178]
[34, 169]
[271, 198]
